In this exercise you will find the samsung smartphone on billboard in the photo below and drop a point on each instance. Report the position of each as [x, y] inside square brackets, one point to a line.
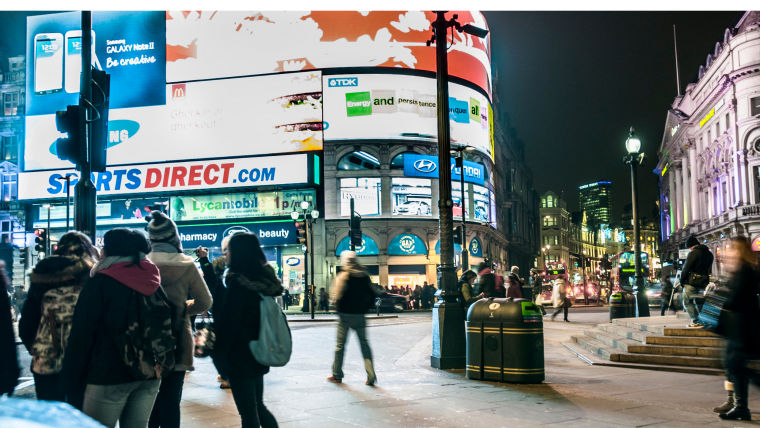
[48, 63]
[73, 60]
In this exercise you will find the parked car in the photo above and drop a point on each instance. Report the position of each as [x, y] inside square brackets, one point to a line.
[413, 208]
[592, 292]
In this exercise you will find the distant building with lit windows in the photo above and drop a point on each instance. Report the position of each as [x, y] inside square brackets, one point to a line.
[596, 201]
[555, 230]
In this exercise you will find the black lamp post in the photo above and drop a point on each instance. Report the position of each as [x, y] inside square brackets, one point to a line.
[459, 163]
[634, 158]
[449, 342]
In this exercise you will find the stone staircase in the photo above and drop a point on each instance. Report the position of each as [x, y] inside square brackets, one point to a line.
[656, 343]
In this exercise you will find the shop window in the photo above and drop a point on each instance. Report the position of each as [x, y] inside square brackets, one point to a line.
[480, 195]
[398, 160]
[755, 106]
[365, 193]
[358, 161]
[10, 187]
[411, 197]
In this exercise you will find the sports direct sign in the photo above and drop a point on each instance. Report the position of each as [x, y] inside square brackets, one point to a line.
[181, 176]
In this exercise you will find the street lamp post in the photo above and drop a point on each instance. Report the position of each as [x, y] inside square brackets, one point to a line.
[47, 237]
[460, 164]
[634, 159]
[449, 342]
[585, 289]
[67, 178]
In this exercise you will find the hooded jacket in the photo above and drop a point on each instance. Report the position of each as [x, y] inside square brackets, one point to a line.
[92, 356]
[63, 277]
[699, 261]
[240, 320]
[352, 289]
[180, 278]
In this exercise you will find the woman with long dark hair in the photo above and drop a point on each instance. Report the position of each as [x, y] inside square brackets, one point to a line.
[48, 314]
[740, 325]
[8, 358]
[248, 274]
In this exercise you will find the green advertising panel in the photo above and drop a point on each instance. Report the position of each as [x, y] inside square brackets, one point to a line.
[475, 110]
[358, 104]
[240, 205]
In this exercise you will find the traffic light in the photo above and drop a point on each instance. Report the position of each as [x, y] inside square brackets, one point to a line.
[301, 232]
[356, 237]
[73, 147]
[41, 240]
[355, 233]
[101, 92]
[458, 235]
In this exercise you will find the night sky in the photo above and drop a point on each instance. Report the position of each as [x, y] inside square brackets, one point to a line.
[573, 84]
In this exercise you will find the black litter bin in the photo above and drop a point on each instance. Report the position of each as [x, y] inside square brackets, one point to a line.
[619, 306]
[505, 341]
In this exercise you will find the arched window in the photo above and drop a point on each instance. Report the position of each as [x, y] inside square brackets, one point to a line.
[398, 160]
[550, 201]
[543, 202]
[356, 161]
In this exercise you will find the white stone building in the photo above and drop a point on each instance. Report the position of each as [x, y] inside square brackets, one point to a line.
[709, 159]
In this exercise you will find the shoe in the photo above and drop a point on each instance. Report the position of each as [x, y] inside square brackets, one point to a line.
[696, 325]
[567, 321]
[368, 383]
[224, 384]
[334, 379]
[736, 414]
[728, 405]
[219, 379]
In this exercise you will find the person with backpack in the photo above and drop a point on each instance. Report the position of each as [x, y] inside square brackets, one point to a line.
[353, 298]
[465, 287]
[47, 318]
[119, 374]
[9, 369]
[250, 279]
[694, 277]
[179, 278]
[486, 280]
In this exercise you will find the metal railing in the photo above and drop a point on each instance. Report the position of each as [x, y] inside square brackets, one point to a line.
[12, 77]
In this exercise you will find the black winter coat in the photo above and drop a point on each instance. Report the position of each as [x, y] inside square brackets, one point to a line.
[699, 261]
[358, 296]
[742, 311]
[8, 359]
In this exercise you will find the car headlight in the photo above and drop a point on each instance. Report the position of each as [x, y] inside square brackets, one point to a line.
[650, 292]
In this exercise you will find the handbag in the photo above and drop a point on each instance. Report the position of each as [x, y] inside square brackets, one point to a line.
[204, 339]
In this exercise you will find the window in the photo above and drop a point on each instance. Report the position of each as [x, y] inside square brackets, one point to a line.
[556, 242]
[725, 196]
[546, 239]
[550, 221]
[728, 121]
[716, 208]
[543, 203]
[10, 103]
[550, 201]
[359, 161]
[411, 197]
[365, 193]
[709, 137]
[9, 191]
[10, 149]
[717, 128]
[755, 106]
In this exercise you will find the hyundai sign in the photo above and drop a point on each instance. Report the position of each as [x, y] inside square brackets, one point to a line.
[427, 166]
[180, 176]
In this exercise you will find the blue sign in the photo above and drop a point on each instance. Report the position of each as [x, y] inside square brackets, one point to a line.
[269, 233]
[293, 261]
[457, 248]
[344, 81]
[407, 244]
[476, 248]
[427, 166]
[459, 111]
[130, 46]
[368, 248]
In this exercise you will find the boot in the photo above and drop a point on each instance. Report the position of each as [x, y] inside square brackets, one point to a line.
[729, 404]
[736, 414]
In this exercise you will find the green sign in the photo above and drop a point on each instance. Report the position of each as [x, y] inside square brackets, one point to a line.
[475, 110]
[529, 309]
[240, 205]
[358, 104]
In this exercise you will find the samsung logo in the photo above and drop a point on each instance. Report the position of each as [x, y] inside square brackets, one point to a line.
[424, 165]
[345, 81]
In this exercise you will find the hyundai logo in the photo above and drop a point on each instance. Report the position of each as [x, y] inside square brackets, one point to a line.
[425, 165]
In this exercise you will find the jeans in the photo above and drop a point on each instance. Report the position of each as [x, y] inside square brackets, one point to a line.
[127, 403]
[358, 323]
[249, 399]
[689, 293]
[166, 411]
[739, 374]
[47, 388]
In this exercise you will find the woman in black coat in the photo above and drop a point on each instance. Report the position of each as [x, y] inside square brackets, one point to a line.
[740, 324]
[249, 274]
[8, 358]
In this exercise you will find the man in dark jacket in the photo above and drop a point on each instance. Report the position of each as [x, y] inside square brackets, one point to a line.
[353, 297]
[666, 295]
[9, 370]
[695, 277]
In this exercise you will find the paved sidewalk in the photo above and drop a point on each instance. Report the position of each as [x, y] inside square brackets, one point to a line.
[411, 394]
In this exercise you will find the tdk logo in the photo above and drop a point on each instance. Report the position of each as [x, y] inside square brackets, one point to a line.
[346, 81]
[424, 165]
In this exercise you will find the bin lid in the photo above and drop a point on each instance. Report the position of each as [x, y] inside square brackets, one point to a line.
[509, 309]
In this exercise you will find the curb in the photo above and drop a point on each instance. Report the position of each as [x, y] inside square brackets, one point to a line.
[336, 319]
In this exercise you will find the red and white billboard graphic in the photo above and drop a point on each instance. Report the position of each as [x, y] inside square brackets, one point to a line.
[217, 44]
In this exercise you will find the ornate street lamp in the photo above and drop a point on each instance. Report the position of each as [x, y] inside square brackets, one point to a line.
[634, 158]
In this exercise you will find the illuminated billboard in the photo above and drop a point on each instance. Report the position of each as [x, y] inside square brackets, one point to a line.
[388, 106]
[280, 113]
[215, 44]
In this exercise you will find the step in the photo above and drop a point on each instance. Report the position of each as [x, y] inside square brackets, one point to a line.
[658, 326]
[636, 324]
[597, 347]
[689, 332]
[670, 360]
[624, 332]
[710, 342]
[611, 340]
[636, 347]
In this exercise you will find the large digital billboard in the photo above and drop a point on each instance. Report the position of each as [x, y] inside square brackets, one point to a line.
[214, 44]
[280, 113]
[389, 106]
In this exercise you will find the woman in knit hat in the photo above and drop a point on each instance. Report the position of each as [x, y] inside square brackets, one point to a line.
[179, 278]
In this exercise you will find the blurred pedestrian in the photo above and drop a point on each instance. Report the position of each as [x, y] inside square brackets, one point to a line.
[465, 287]
[739, 323]
[19, 299]
[249, 278]
[94, 362]
[561, 302]
[286, 298]
[666, 295]
[486, 280]
[324, 300]
[9, 369]
[417, 295]
[46, 322]
[353, 298]
[514, 286]
[180, 279]
[695, 276]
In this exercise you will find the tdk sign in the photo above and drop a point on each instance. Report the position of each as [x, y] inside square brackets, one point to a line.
[425, 166]
[343, 81]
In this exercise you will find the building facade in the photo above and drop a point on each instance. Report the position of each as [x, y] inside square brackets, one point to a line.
[555, 230]
[709, 158]
[596, 201]
[587, 248]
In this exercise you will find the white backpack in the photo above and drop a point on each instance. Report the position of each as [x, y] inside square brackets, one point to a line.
[275, 344]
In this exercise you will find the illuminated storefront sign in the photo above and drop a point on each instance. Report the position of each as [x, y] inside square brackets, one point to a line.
[239, 205]
[711, 113]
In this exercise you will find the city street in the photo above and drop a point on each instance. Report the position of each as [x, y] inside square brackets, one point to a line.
[411, 394]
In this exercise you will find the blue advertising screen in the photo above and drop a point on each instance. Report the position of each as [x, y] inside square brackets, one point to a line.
[427, 166]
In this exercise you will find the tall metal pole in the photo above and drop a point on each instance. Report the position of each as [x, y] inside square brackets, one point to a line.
[449, 342]
[642, 303]
[68, 202]
[460, 165]
[84, 192]
[350, 234]
[311, 257]
[47, 236]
